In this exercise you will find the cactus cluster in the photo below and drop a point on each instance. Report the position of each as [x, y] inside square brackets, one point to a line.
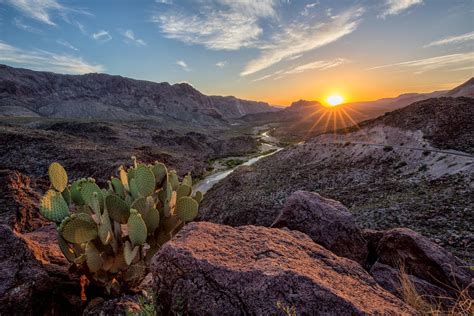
[112, 233]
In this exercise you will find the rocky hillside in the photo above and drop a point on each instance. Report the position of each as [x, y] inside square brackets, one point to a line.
[104, 97]
[393, 171]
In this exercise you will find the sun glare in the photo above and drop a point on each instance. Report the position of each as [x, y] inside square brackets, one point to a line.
[334, 100]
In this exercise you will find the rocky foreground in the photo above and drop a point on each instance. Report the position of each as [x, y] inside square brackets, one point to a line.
[313, 261]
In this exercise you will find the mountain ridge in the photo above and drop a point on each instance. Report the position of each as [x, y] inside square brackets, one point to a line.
[26, 92]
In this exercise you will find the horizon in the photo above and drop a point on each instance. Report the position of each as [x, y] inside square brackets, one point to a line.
[273, 51]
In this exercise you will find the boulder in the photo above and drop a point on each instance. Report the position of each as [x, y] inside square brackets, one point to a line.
[390, 279]
[326, 221]
[423, 258]
[212, 269]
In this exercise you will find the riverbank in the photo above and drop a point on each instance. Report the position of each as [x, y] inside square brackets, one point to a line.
[221, 168]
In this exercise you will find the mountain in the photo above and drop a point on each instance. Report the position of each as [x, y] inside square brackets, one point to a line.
[305, 119]
[412, 167]
[464, 90]
[105, 97]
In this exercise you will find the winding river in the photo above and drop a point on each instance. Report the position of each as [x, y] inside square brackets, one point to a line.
[268, 143]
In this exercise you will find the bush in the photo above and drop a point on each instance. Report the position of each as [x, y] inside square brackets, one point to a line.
[111, 233]
[388, 148]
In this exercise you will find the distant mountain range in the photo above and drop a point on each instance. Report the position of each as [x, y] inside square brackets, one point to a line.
[30, 93]
[300, 117]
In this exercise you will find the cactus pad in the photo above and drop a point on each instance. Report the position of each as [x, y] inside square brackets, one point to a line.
[117, 208]
[78, 228]
[136, 228]
[198, 196]
[152, 220]
[173, 179]
[105, 228]
[57, 176]
[160, 172]
[183, 190]
[140, 205]
[76, 192]
[53, 206]
[67, 251]
[145, 180]
[87, 192]
[93, 258]
[124, 178]
[128, 253]
[134, 189]
[118, 187]
[188, 180]
[186, 208]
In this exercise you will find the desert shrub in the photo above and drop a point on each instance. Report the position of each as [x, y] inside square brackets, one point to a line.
[426, 153]
[423, 168]
[387, 148]
[110, 234]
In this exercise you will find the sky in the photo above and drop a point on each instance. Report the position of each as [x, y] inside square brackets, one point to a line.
[276, 51]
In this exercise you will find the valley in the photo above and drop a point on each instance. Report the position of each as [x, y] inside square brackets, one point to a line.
[390, 163]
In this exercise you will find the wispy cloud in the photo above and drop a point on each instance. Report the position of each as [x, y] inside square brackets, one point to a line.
[217, 24]
[394, 7]
[44, 60]
[66, 44]
[183, 65]
[130, 38]
[19, 23]
[427, 64]
[317, 65]
[221, 64]
[458, 39]
[102, 36]
[299, 38]
[43, 10]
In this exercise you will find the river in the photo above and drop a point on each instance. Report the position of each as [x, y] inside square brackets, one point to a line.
[268, 143]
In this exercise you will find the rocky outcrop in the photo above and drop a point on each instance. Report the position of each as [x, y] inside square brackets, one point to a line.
[326, 221]
[219, 270]
[34, 276]
[423, 258]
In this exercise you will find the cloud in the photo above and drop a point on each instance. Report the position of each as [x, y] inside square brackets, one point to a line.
[217, 24]
[453, 40]
[164, 1]
[394, 7]
[317, 65]
[18, 22]
[66, 44]
[427, 64]
[183, 65]
[42, 10]
[221, 64]
[44, 60]
[300, 38]
[263, 78]
[129, 37]
[102, 36]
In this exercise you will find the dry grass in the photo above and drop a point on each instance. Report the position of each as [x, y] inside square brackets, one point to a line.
[460, 305]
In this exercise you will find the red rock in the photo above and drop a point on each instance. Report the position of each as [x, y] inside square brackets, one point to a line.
[326, 221]
[211, 269]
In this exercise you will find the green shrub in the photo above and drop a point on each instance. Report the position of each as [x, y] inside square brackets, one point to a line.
[112, 233]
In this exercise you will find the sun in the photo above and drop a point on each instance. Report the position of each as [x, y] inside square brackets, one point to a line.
[334, 100]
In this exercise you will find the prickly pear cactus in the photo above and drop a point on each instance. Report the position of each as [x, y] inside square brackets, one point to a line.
[112, 233]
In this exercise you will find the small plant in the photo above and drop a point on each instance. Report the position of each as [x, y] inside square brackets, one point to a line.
[387, 148]
[426, 152]
[112, 233]
[423, 168]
